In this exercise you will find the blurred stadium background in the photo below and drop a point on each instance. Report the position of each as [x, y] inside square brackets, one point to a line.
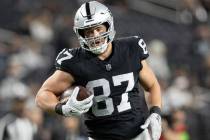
[177, 33]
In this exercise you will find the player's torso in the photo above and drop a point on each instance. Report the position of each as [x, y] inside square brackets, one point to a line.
[114, 82]
[111, 80]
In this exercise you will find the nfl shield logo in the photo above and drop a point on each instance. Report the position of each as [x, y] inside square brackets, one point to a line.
[108, 67]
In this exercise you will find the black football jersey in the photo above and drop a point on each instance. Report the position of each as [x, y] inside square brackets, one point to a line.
[119, 107]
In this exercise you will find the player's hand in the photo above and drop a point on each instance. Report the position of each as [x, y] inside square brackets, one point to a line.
[73, 107]
[153, 122]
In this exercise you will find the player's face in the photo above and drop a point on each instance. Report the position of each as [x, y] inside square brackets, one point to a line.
[94, 33]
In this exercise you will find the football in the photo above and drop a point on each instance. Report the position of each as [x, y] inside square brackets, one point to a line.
[83, 94]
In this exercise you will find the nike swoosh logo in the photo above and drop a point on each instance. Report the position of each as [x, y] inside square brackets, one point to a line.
[72, 111]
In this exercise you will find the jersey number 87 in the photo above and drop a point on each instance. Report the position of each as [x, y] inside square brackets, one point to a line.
[104, 83]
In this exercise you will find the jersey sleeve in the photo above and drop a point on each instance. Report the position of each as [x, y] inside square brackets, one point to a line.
[65, 60]
[139, 47]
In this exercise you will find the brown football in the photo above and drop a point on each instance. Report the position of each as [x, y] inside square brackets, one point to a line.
[83, 94]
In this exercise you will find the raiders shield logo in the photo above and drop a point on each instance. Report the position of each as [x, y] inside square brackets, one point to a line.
[108, 67]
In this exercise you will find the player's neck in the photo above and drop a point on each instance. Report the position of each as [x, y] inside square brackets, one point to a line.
[107, 52]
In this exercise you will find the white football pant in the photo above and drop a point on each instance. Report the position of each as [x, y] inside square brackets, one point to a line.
[142, 136]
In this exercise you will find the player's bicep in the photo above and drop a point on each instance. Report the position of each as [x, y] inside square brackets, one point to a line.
[146, 75]
[58, 82]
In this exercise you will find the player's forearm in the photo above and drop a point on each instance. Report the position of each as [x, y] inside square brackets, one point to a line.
[46, 100]
[155, 94]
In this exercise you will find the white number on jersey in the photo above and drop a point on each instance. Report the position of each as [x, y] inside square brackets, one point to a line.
[117, 80]
[65, 55]
[143, 45]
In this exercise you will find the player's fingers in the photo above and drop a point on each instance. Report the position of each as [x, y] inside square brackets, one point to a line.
[87, 100]
[75, 91]
[85, 110]
[77, 114]
[155, 137]
[156, 132]
[87, 106]
[74, 94]
[146, 124]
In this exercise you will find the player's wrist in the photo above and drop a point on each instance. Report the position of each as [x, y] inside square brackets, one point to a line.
[155, 109]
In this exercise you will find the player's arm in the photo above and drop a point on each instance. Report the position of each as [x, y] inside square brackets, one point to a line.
[52, 88]
[149, 82]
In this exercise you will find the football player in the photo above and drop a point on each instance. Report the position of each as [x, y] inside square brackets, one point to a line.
[111, 70]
